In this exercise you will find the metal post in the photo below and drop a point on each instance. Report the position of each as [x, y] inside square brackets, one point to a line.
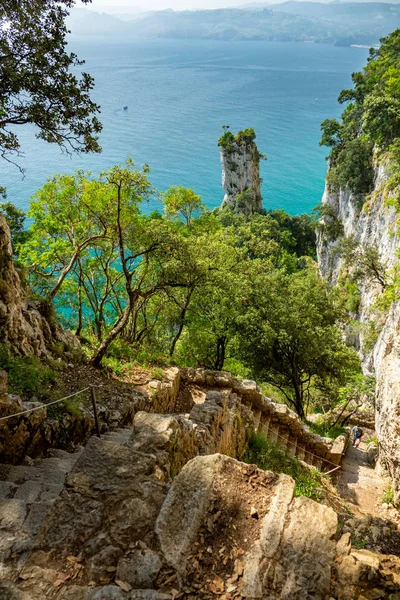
[96, 416]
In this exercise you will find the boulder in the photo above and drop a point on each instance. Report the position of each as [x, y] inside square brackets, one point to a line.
[288, 546]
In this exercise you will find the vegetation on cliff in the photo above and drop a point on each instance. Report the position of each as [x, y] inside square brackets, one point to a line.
[370, 121]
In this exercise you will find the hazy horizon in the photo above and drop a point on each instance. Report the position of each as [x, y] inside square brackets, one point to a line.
[127, 6]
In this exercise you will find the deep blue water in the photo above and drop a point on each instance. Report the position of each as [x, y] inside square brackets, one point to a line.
[179, 95]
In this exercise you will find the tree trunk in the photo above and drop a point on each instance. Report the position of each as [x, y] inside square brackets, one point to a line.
[181, 323]
[114, 333]
[80, 313]
[221, 350]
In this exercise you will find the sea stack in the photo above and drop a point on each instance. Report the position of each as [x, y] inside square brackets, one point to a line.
[241, 181]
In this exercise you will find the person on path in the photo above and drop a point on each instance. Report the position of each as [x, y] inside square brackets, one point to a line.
[357, 434]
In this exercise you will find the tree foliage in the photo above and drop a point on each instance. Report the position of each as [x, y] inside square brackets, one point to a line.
[38, 84]
[290, 335]
[199, 288]
[371, 119]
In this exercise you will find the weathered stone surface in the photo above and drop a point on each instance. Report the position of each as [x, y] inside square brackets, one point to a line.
[294, 555]
[373, 454]
[9, 591]
[111, 500]
[140, 569]
[241, 173]
[22, 326]
[185, 506]
[172, 439]
[109, 592]
[343, 547]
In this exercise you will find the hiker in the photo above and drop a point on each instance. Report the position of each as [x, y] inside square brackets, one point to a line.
[357, 434]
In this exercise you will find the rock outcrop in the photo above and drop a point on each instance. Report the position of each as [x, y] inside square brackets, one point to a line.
[222, 526]
[241, 176]
[370, 222]
[22, 327]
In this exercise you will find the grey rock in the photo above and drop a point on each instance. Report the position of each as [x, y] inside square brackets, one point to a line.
[185, 506]
[343, 547]
[107, 557]
[12, 514]
[140, 569]
[241, 173]
[9, 591]
[293, 558]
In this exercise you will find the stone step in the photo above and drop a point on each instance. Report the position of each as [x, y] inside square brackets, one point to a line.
[19, 474]
[62, 464]
[19, 525]
[118, 436]
[58, 453]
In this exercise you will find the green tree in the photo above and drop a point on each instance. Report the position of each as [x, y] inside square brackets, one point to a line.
[290, 338]
[69, 214]
[38, 84]
[181, 202]
[371, 119]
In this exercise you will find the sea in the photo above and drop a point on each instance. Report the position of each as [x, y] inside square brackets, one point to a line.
[179, 94]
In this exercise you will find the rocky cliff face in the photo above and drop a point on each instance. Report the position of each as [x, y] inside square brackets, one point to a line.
[22, 327]
[241, 178]
[372, 223]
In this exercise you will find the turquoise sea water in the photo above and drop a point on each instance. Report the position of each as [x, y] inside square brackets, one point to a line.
[180, 93]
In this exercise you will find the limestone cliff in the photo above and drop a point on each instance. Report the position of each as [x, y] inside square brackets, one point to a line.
[371, 223]
[22, 327]
[241, 181]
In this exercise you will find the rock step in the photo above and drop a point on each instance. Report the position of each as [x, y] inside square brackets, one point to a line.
[26, 494]
[119, 436]
[58, 453]
[30, 491]
[19, 525]
[19, 474]
[59, 464]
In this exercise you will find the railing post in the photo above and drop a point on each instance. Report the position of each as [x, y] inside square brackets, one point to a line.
[96, 416]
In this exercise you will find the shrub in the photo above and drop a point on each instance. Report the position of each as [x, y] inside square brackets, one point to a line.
[268, 456]
[326, 429]
[27, 375]
[353, 167]
[157, 373]
[388, 495]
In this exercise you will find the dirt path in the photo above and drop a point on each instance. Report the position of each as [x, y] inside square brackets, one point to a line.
[359, 484]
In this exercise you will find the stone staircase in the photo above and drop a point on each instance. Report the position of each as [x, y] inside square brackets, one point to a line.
[26, 495]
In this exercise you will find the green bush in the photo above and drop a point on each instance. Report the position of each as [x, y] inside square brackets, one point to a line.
[157, 373]
[353, 168]
[269, 457]
[326, 430]
[388, 495]
[27, 375]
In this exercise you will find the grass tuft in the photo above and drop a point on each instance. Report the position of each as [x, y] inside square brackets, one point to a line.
[269, 457]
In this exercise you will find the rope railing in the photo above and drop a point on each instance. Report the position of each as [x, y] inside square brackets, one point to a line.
[30, 410]
[96, 418]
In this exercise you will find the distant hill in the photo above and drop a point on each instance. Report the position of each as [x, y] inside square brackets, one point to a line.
[335, 23]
